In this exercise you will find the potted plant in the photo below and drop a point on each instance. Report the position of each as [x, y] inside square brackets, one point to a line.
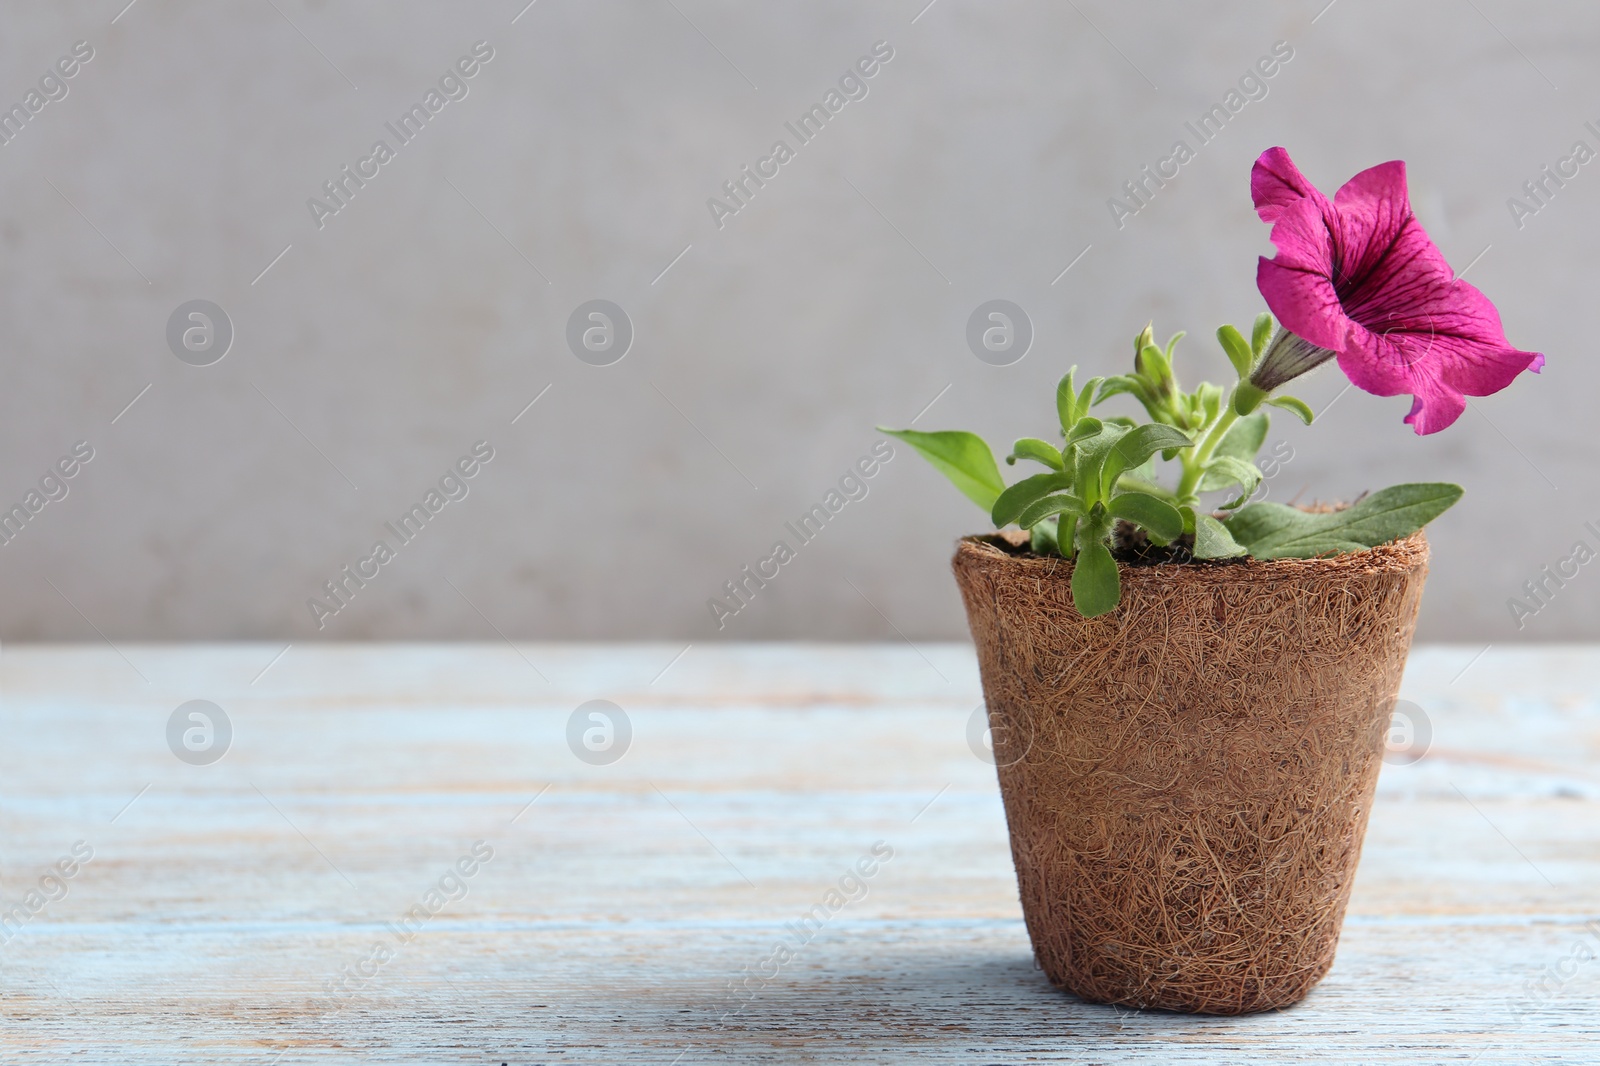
[1188, 700]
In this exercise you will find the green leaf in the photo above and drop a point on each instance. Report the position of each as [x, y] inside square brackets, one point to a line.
[962, 457]
[1013, 501]
[1067, 401]
[1244, 438]
[1095, 586]
[1239, 353]
[1091, 457]
[1289, 403]
[1145, 470]
[1213, 541]
[1049, 507]
[1173, 343]
[1066, 535]
[1274, 531]
[1121, 383]
[1087, 427]
[1227, 470]
[1042, 538]
[1261, 333]
[1037, 450]
[1086, 396]
[1134, 448]
[1159, 519]
[1128, 482]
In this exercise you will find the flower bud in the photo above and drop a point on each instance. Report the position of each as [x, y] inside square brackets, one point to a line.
[1157, 370]
[1144, 340]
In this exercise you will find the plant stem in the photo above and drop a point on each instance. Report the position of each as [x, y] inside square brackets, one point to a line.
[1195, 459]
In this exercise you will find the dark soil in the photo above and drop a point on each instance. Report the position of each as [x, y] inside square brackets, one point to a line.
[1129, 546]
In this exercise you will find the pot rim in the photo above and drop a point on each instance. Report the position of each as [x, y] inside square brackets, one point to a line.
[1397, 556]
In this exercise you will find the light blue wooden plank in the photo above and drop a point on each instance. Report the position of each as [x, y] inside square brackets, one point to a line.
[617, 907]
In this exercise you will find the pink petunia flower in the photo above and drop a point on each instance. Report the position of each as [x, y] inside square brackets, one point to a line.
[1358, 278]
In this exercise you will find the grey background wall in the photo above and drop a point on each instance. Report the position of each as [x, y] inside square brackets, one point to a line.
[372, 350]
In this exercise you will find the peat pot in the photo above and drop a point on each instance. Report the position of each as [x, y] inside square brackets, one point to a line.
[1187, 778]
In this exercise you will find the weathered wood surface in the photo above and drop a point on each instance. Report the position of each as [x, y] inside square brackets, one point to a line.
[617, 909]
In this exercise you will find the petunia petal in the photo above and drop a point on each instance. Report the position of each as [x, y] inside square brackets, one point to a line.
[1460, 350]
[1304, 302]
[1435, 407]
[1276, 183]
[1399, 281]
[1373, 222]
[1297, 284]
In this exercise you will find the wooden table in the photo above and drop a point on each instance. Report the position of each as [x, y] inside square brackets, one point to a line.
[253, 909]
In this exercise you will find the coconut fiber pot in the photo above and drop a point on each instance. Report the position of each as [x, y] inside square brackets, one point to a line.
[1187, 779]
